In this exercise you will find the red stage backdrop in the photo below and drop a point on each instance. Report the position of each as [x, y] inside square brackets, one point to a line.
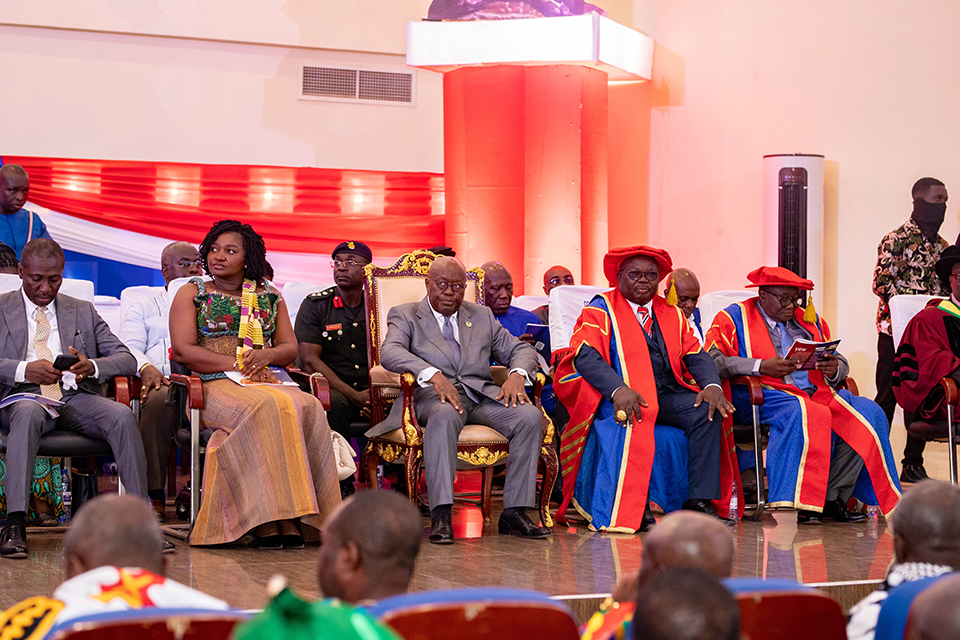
[296, 209]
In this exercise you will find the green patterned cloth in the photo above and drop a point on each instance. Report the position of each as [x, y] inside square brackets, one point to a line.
[45, 486]
[219, 315]
[905, 260]
[291, 618]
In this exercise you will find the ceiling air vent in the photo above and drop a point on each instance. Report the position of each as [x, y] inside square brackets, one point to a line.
[345, 84]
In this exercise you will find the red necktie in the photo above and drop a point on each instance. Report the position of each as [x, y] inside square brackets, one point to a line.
[645, 320]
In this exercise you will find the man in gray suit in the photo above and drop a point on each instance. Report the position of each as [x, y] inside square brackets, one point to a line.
[447, 344]
[36, 326]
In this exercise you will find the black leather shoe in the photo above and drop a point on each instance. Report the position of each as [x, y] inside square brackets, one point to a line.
[703, 506]
[13, 542]
[168, 547]
[913, 473]
[647, 521]
[838, 512]
[268, 543]
[441, 529]
[809, 517]
[519, 524]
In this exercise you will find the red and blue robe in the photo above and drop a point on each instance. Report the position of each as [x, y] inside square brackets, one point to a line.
[606, 466]
[801, 427]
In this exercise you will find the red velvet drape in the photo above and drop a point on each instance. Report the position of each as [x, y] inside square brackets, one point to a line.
[301, 209]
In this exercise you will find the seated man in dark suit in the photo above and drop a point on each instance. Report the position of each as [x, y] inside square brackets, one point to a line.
[447, 343]
[553, 277]
[37, 326]
[634, 362]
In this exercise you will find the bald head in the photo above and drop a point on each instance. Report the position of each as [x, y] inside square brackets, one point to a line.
[688, 539]
[113, 530]
[935, 615]
[688, 289]
[926, 524]
[557, 276]
[179, 260]
[497, 287]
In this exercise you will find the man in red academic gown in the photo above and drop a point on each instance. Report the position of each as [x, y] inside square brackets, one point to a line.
[930, 347]
[634, 361]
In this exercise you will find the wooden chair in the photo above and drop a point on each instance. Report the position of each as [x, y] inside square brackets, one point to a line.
[479, 447]
[790, 615]
[472, 614]
[902, 310]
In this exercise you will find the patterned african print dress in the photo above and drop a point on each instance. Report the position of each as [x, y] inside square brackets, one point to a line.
[270, 457]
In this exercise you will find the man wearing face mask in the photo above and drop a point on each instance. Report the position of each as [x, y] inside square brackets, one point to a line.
[905, 266]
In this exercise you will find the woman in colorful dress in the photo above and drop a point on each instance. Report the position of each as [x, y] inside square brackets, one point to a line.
[270, 463]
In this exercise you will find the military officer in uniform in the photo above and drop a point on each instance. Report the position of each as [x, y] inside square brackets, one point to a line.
[333, 341]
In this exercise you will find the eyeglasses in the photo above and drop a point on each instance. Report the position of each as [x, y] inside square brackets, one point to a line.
[560, 280]
[786, 301]
[350, 264]
[649, 276]
[457, 287]
[186, 264]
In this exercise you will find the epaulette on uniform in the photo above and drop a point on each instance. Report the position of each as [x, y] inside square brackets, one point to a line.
[326, 293]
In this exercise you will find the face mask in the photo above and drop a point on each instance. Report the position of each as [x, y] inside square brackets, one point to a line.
[929, 215]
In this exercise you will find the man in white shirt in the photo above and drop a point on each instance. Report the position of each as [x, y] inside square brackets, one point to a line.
[146, 332]
[113, 561]
[37, 324]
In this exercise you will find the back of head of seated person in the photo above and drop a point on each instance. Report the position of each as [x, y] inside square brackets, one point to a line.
[685, 603]
[113, 530]
[687, 289]
[926, 525]
[681, 539]
[935, 614]
[370, 546]
[8, 260]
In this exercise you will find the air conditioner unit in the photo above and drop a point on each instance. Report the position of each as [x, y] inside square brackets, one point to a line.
[793, 214]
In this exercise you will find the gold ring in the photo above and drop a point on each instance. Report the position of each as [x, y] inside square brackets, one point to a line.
[621, 416]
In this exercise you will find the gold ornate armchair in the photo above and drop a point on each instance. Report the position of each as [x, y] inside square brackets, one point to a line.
[479, 447]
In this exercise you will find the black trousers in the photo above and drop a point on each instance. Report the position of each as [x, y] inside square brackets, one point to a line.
[913, 451]
[703, 440]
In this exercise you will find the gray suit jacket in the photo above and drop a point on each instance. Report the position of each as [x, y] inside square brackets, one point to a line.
[414, 343]
[94, 341]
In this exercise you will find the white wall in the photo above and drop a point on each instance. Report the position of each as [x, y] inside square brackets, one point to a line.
[872, 86]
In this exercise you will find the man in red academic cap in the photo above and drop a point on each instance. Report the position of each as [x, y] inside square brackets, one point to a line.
[826, 445]
[634, 361]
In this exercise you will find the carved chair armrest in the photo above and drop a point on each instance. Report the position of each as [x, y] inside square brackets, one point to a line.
[850, 385]
[949, 386]
[318, 385]
[126, 389]
[412, 432]
[754, 388]
[194, 387]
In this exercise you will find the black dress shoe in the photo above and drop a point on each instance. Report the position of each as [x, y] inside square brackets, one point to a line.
[269, 543]
[168, 547]
[647, 521]
[13, 542]
[913, 473]
[809, 517]
[838, 512]
[519, 524]
[441, 529]
[703, 506]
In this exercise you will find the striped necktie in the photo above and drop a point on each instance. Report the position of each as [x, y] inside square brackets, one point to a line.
[43, 352]
[645, 320]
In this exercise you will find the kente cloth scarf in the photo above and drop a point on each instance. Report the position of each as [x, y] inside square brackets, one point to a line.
[250, 334]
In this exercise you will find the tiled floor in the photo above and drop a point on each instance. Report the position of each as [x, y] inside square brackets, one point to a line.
[572, 561]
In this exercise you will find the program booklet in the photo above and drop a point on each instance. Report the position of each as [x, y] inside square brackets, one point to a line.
[810, 352]
[541, 338]
[48, 404]
[282, 378]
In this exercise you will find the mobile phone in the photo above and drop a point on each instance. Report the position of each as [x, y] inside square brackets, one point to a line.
[62, 363]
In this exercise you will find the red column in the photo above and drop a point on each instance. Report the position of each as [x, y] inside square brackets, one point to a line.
[525, 159]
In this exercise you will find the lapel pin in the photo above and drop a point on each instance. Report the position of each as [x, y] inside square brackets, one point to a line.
[468, 323]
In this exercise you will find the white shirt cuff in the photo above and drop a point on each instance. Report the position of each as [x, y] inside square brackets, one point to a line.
[526, 376]
[96, 370]
[713, 384]
[20, 375]
[615, 391]
[423, 378]
[756, 367]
